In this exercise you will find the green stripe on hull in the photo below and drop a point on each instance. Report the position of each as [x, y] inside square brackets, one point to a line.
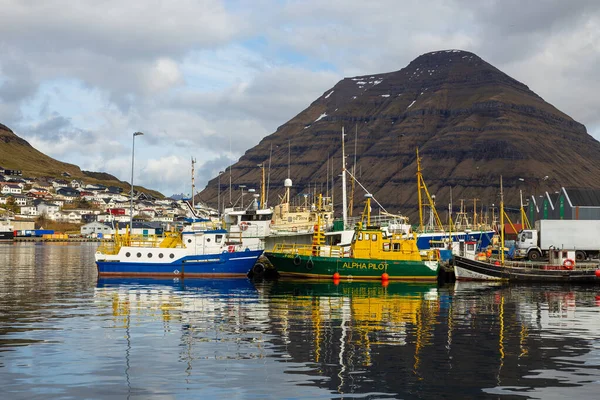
[325, 267]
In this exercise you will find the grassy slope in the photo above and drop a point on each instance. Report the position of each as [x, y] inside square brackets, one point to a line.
[16, 153]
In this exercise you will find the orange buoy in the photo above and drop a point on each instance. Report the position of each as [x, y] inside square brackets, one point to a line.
[497, 263]
[336, 281]
[385, 283]
[598, 273]
[385, 276]
[336, 276]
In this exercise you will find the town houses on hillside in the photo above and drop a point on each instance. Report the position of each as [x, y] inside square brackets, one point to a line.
[75, 201]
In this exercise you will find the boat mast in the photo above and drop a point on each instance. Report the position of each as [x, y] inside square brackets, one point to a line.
[269, 174]
[501, 222]
[193, 187]
[262, 186]
[524, 219]
[419, 177]
[351, 206]
[475, 213]
[230, 165]
[344, 194]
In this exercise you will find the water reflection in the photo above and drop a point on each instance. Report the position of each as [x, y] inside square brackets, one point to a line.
[64, 333]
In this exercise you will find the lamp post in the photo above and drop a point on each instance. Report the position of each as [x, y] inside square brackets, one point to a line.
[132, 163]
[219, 195]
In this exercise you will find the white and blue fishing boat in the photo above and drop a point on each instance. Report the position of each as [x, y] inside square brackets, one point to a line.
[200, 250]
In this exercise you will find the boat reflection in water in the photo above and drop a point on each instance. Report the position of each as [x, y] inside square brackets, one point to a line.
[318, 339]
[342, 330]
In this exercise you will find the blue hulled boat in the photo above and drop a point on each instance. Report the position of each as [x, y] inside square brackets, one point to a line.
[199, 251]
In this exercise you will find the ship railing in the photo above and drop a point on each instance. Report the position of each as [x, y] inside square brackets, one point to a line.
[134, 241]
[430, 255]
[580, 266]
[309, 250]
[378, 220]
[108, 248]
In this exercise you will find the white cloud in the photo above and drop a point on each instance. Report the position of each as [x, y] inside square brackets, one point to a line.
[78, 80]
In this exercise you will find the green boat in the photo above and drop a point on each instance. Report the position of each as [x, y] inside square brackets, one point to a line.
[374, 255]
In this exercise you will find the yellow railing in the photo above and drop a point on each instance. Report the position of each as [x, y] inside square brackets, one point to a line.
[309, 249]
[169, 240]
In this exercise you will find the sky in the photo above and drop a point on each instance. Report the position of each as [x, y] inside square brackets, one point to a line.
[209, 79]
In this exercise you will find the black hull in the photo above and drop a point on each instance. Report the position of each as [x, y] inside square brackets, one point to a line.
[467, 269]
[5, 236]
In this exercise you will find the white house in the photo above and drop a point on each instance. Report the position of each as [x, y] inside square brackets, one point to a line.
[55, 216]
[94, 228]
[20, 200]
[29, 210]
[11, 188]
[47, 208]
[73, 217]
[59, 183]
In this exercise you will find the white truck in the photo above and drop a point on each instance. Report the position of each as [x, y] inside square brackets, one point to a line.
[583, 236]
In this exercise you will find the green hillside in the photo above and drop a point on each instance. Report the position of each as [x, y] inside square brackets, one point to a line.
[17, 153]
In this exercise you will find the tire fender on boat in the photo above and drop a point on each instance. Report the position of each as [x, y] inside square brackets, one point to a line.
[309, 264]
[258, 270]
[297, 260]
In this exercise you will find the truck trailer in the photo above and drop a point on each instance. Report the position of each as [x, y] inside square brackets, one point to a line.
[583, 236]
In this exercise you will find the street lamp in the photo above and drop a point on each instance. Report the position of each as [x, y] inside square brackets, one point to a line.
[219, 195]
[132, 163]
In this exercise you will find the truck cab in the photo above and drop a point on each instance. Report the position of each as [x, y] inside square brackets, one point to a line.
[527, 244]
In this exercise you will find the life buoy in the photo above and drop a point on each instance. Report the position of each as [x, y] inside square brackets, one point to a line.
[568, 264]
[309, 264]
[243, 225]
[297, 260]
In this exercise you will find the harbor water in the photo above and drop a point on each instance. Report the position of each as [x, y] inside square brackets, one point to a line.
[65, 334]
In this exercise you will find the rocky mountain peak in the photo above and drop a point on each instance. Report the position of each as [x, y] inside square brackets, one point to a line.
[471, 121]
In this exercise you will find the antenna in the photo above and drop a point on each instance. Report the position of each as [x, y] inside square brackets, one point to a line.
[289, 150]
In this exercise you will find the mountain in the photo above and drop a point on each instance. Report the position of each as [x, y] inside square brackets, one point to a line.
[471, 122]
[17, 153]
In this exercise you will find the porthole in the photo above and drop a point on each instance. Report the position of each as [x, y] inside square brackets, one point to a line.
[149, 255]
[128, 254]
[161, 255]
[139, 255]
[208, 239]
[189, 240]
[171, 255]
